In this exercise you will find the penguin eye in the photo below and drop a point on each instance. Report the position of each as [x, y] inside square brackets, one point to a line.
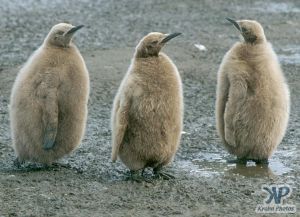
[60, 32]
[154, 42]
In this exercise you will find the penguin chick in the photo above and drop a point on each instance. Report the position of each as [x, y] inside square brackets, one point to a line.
[48, 105]
[252, 106]
[147, 112]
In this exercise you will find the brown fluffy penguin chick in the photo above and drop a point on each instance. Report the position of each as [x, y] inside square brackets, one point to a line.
[252, 106]
[48, 106]
[147, 113]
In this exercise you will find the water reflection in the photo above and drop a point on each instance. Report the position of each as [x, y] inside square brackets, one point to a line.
[215, 164]
[251, 171]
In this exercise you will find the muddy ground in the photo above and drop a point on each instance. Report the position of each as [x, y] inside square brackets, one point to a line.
[205, 184]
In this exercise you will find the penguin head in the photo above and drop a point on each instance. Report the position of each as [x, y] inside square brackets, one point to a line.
[251, 30]
[152, 43]
[61, 34]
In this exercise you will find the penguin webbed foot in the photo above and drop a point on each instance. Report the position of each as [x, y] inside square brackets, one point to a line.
[241, 161]
[261, 161]
[58, 165]
[18, 163]
[158, 173]
[139, 177]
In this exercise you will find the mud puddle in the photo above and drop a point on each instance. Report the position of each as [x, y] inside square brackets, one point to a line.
[210, 165]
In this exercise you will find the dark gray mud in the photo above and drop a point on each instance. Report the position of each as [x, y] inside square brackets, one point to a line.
[205, 184]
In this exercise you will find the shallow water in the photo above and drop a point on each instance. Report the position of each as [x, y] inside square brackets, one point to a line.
[209, 164]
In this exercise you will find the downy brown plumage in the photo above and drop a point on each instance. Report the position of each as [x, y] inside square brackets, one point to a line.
[148, 108]
[252, 106]
[48, 106]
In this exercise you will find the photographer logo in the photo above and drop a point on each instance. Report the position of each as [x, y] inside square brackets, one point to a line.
[276, 200]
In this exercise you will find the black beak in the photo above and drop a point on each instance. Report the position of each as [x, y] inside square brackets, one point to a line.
[74, 29]
[169, 37]
[236, 25]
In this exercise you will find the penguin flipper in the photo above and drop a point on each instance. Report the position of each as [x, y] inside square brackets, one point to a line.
[47, 94]
[238, 94]
[120, 124]
[222, 97]
[49, 138]
[50, 120]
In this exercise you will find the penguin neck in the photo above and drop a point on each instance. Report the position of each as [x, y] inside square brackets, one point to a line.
[67, 47]
[149, 57]
[58, 44]
[60, 54]
[249, 51]
[255, 41]
[142, 52]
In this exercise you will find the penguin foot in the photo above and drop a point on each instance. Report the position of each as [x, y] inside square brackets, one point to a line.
[158, 173]
[29, 167]
[242, 161]
[261, 162]
[18, 163]
[164, 176]
[55, 164]
[138, 177]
